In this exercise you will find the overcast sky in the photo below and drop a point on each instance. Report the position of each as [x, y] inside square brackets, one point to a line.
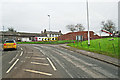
[31, 15]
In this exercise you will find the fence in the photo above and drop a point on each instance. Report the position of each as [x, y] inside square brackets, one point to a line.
[99, 47]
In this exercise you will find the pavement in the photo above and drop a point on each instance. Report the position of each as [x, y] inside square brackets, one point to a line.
[97, 56]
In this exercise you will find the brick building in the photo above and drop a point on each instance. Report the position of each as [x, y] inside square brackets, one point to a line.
[82, 34]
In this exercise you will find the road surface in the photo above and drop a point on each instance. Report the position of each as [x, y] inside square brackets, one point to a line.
[52, 61]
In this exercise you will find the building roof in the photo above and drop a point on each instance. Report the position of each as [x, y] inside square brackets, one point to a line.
[53, 32]
[23, 34]
[80, 32]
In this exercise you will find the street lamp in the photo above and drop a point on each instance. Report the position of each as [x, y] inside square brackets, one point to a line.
[88, 23]
[49, 21]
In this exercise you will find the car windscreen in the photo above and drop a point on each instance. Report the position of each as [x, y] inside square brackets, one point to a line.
[9, 41]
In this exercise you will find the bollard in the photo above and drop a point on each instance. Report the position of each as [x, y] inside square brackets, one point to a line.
[113, 47]
[99, 46]
[81, 44]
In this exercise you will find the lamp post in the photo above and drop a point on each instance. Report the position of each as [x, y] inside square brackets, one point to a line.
[88, 23]
[49, 21]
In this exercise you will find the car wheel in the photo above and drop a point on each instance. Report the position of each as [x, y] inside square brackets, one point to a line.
[4, 49]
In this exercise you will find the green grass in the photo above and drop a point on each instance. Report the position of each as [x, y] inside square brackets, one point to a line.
[102, 46]
[48, 42]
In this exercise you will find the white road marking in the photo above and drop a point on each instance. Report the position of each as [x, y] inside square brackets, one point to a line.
[40, 50]
[33, 71]
[27, 57]
[51, 64]
[21, 49]
[38, 58]
[62, 66]
[21, 53]
[80, 60]
[40, 63]
[13, 59]
[12, 66]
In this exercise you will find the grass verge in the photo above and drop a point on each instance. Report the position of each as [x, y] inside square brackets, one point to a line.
[48, 42]
[103, 46]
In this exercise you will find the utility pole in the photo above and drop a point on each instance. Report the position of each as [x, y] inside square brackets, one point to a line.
[88, 23]
[49, 22]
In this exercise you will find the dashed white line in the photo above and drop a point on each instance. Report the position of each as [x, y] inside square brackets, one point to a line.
[21, 53]
[40, 63]
[63, 67]
[21, 49]
[33, 71]
[51, 64]
[12, 66]
[40, 50]
[38, 58]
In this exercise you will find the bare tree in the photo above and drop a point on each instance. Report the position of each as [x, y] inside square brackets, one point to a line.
[79, 27]
[108, 26]
[71, 27]
[11, 29]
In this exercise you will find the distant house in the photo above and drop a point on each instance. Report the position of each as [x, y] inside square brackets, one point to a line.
[51, 33]
[82, 35]
[20, 36]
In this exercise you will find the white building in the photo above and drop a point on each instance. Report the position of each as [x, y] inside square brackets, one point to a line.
[52, 33]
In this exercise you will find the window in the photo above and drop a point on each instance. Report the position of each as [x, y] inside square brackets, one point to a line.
[55, 35]
[10, 41]
[52, 35]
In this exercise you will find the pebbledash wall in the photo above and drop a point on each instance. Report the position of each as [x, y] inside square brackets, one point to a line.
[72, 35]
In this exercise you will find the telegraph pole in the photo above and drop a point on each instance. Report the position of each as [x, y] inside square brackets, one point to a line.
[88, 23]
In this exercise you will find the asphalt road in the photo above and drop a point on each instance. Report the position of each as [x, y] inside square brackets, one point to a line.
[52, 61]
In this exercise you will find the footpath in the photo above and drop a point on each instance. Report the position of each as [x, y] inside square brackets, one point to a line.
[97, 56]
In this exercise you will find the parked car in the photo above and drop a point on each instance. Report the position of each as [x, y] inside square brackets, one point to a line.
[45, 39]
[9, 44]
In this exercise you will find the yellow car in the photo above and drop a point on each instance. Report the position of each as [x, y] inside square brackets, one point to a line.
[9, 44]
[53, 38]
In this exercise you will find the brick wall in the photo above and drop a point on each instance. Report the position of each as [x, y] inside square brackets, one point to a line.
[72, 35]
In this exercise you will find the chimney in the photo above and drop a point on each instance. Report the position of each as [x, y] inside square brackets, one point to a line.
[41, 32]
[59, 31]
[44, 30]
